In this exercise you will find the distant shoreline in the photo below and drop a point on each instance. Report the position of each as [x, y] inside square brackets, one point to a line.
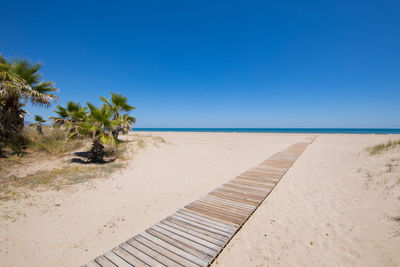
[277, 130]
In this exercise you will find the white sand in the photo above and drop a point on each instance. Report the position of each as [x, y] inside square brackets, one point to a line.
[325, 192]
[332, 208]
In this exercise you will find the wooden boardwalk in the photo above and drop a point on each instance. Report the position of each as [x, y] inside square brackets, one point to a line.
[196, 234]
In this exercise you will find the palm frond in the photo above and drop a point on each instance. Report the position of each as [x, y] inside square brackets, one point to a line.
[39, 119]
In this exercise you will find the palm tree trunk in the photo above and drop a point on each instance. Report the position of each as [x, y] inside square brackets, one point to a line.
[39, 129]
[96, 153]
[11, 120]
[115, 134]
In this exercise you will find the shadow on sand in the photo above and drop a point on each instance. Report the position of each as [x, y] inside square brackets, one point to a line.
[82, 158]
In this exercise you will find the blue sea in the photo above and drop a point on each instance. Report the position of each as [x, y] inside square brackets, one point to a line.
[277, 130]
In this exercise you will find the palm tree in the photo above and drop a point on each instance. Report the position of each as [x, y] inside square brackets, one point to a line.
[127, 122]
[98, 125]
[118, 104]
[62, 118]
[20, 82]
[70, 116]
[39, 120]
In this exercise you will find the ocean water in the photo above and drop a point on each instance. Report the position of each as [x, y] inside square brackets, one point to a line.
[277, 130]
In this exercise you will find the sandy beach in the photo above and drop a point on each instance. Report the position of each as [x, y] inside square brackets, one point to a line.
[334, 207]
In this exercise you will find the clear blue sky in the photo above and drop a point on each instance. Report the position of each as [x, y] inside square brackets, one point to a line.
[218, 63]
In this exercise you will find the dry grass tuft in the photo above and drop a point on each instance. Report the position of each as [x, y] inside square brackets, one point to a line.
[141, 142]
[12, 187]
[54, 141]
[143, 139]
[158, 139]
[377, 149]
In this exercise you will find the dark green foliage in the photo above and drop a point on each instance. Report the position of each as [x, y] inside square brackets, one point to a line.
[120, 109]
[20, 82]
[98, 125]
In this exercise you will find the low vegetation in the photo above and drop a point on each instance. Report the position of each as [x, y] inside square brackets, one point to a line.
[54, 142]
[14, 187]
[385, 173]
[80, 141]
[377, 149]
[72, 165]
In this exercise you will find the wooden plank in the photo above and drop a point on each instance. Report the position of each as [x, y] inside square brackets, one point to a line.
[189, 247]
[211, 225]
[263, 180]
[287, 157]
[245, 189]
[229, 228]
[267, 168]
[266, 184]
[255, 184]
[280, 164]
[248, 183]
[104, 262]
[269, 171]
[175, 249]
[239, 197]
[220, 204]
[92, 264]
[245, 193]
[228, 212]
[265, 176]
[231, 203]
[215, 215]
[202, 224]
[248, 197]
[116, 259]
[132, 260]
[250, 173]
[140, 255]
[188, 235]
[234, 198]
[151, 253]
[181, 261]
[264, 173]
[211, 218]
[217, 242]
[185, 239]
[267, 180]
[199, 228]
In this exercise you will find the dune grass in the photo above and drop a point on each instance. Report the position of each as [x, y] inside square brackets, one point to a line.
[54, 141]
[142, 140]
[378, 149]
[14, 187]
[33, 145]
